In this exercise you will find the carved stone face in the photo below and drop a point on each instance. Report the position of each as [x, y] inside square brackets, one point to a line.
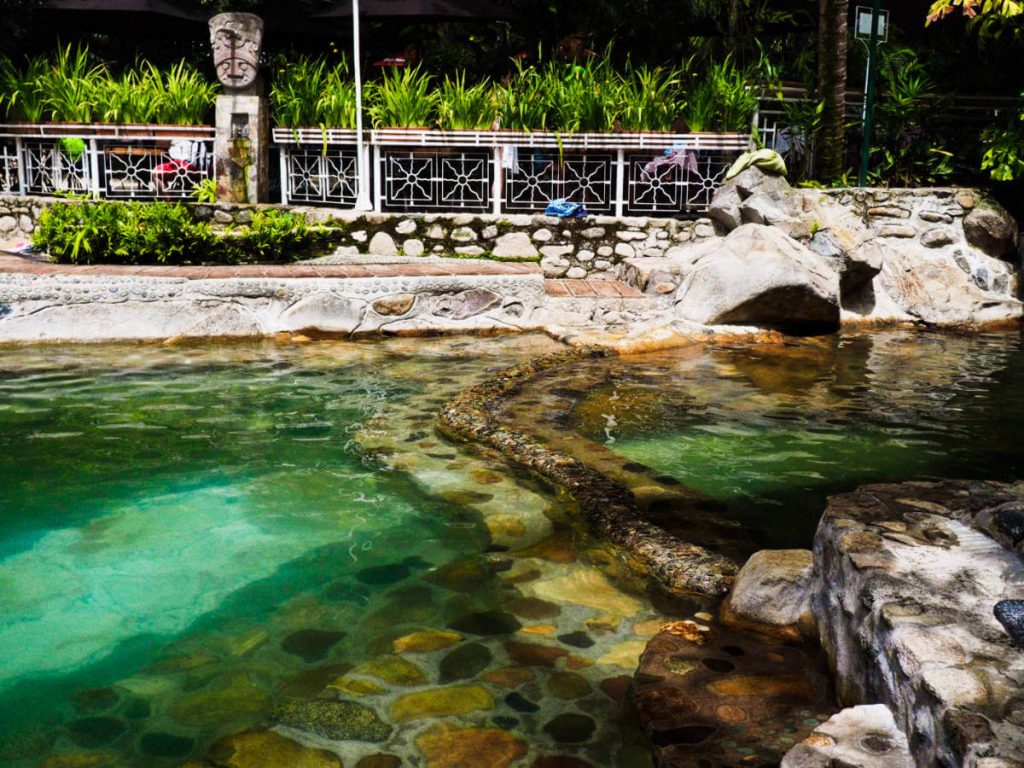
[236, 39]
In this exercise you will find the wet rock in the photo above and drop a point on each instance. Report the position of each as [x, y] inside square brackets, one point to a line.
[990, 229]
[138, 709]
[392, 669]
[625, 655]
[266, 749]
[227, 698]
[487, 623]
[460, 576]
[311, 644]
[589, 588]
[380, 575]
[426, 641]
[533, 655]
[617, 688]
[532, 608]
[92, 732]
[772, 594]
[445, 746]
[464, 662]
[92, 700]
[860, 737]
[1010, 614]
[309, 682]
[560, 761]
[568, 686]
[577, 640]
[380, 761]
[165, 745]
[442, 702]
[757, 275]
[336, 720]
[520, 703]
[570, 728]
[509, 677]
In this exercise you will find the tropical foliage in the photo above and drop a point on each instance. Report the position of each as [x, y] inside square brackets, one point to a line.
[86, 232]
[72, 86]
[564, 96]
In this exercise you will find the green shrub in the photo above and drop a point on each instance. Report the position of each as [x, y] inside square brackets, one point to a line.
[724, 98]
[103, 232]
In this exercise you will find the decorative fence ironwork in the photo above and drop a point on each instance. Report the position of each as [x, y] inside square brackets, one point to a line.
[114, 162]
[509, 171]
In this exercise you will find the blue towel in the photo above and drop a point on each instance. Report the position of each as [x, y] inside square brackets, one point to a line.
[563, 209]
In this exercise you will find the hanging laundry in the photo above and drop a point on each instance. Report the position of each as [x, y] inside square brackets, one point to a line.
[510, 158]
[680, 157]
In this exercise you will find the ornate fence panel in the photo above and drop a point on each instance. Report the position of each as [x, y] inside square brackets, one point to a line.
[537, 176]
[436, 179]
[318, 167]
[114, 162]
[10, 168]
[509, 171]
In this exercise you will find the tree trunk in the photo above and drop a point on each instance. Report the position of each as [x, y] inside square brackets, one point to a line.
[831, 139]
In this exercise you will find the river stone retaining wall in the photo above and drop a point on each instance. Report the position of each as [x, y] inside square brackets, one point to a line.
[565, 248]
[906, 582]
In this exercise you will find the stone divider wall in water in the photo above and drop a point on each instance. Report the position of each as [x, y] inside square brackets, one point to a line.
[608, 509]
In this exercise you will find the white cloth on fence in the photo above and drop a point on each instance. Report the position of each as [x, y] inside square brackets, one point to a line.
[510, 158]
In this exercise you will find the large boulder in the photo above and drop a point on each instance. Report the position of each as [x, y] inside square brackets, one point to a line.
[991, 229]
[859, 737]
[757, 197]
[933, 288]
[759, 276]
[772, 594]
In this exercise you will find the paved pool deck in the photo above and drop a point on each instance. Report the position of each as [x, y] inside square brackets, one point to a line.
[426, 267]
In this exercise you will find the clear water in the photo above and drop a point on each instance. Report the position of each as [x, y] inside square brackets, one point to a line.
[173, 518]
[174, 521]
[768, 431]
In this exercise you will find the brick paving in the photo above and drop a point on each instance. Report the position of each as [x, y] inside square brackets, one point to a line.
[591, 289]
[11, 264]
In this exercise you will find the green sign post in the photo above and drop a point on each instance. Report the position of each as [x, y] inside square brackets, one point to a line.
[872, 27]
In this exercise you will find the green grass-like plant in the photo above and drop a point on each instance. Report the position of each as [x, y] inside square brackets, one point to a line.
[73, 87]
[465, 107]
[403, 98]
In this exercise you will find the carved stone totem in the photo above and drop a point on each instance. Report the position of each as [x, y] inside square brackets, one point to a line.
[241, 149]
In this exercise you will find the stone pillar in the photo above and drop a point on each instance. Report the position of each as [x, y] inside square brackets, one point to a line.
[241, 150]
[242, 145]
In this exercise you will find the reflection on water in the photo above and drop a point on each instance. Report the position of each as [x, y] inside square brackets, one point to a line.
[768, 431]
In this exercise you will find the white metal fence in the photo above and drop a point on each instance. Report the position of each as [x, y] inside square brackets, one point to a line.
[509, 171]
[113, 162]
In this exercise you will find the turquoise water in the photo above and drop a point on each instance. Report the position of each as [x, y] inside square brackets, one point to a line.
[769, 431]
[182, 490]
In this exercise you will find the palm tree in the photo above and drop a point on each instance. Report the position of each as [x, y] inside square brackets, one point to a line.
[832, 23]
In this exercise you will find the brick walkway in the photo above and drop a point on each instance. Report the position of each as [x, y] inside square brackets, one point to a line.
[591, 289]
[10, 264]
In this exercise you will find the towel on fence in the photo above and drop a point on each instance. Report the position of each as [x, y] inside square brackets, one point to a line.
[768, 160]
[680, 157]
[510, 158]
[563, 209]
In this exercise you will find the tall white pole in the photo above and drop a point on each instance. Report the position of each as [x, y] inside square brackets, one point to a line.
[362, 185]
